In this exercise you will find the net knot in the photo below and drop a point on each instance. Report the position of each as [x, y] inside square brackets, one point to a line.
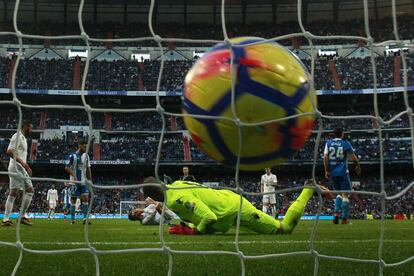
[380, 120]
[16, 101]
[227, 42]
[239, 190]
[19, 245]
[383, 194]
[241, 255]
[237, 122]
[166, 249]
[87, 108]
[85, 36]
[370, 40]
[157, 38]
[160, 109]
[308, 35]
[93, 250]
[409, 111]
[382, 263]
[314, 253]
[318, 114]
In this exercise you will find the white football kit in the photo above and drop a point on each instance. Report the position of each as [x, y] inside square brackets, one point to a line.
[52, 198]
[268, 182]
[16, 167]
[152, 217]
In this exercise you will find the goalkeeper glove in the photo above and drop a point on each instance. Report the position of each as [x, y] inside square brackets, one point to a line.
[182, 229]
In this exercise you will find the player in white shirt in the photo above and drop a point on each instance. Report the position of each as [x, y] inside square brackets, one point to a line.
[268, 183]
[18, 148]
[52, 199]
[151, 215]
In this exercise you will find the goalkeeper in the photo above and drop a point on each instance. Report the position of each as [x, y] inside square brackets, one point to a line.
[213, 210]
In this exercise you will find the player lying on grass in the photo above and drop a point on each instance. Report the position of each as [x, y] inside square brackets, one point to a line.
[151, 215]
[213, 210]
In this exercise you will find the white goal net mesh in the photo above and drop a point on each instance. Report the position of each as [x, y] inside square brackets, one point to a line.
[164, 248]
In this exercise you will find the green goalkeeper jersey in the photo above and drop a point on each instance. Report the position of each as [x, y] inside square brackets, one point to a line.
[209, 209]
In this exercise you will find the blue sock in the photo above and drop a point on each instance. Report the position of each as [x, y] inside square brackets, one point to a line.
[345, 208]
[85, 207]
[72, 212]
[338, 203]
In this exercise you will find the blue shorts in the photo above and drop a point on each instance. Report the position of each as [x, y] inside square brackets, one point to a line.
[66, 206]
[341, 182]
[79, 190]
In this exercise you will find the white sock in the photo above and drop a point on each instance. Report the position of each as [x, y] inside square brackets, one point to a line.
[264, 209]
[48, 214]
[53, 213]
[9, 207]
[27, 199]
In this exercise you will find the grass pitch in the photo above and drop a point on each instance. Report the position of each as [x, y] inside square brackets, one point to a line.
[358, 240]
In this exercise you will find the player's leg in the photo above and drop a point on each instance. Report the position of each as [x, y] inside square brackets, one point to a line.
[74, 195]
[52, 210]
[85, 203]
[265, 201]
[345, 185]
[9, 205]
[297, 208]
[49, 212]
[272, 199]
[256, 220]
[66, 209]
[28, 193]
[338, 200]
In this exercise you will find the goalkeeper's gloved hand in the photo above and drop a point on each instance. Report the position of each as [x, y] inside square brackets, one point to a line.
[182, 229]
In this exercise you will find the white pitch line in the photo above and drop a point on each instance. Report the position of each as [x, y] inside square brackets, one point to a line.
[217, 242]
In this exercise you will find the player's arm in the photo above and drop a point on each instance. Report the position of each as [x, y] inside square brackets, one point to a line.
[274, 182]
[151, 212]
[88, 171]
[48, 195]
[11, 151]
[68, 169]
[355, 159]
[352, 157]
[206, 216]
[168, 214]
[326, 162]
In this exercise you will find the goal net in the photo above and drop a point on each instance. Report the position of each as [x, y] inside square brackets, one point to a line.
[312, 252]
[126, 206]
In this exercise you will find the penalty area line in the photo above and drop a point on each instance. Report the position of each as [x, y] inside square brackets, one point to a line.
[217, 242]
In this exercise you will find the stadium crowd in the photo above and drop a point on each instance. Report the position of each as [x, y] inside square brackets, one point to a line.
[152, 121]
[124, 75]
[381, 30]
[143, 149]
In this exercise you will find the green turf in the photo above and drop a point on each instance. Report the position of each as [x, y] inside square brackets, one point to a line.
[359, 240]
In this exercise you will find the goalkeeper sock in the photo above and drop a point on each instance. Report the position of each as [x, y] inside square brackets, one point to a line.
[72, 212]
[85, 207]
[9, 207]
[338, 204]
[345, 208]
[295, 211]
